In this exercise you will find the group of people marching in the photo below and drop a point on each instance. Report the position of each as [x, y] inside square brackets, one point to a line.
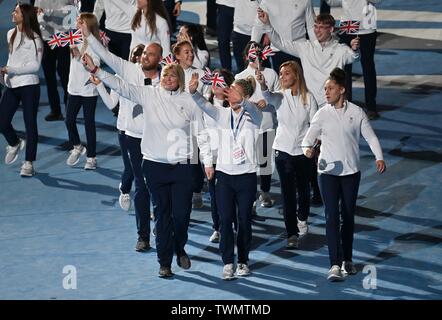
[179, 124]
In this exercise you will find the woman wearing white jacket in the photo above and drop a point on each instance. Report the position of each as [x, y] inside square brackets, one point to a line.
[295, 107]
[20, 76]
[340, 124]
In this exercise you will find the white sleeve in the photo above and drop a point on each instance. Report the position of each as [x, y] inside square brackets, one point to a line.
[31, 66]
[203, 140]
[370, 137]
[350, 55]
[136, 94]
[125, 7]
[110, 100]
[201, 59]
[164, 35]
[288, 46]
[208, 108]
[121, 67]
[99, 9]
[310, 20]
[273, 99]
[313, 132]
[313, 107]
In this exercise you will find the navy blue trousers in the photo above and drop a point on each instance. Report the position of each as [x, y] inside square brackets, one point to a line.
[89, 104]
[224, 24]
[128, 176]
[294, 175]
[235, 192]
[171, 191]
[29, 96]
[141, 195]
[339, 194]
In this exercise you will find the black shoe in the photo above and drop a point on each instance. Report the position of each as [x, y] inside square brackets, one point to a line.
[54, 117]
[372, 115]
[165, 272]
[316, 200]
[142, 245]
[183, 261]
[211, 32]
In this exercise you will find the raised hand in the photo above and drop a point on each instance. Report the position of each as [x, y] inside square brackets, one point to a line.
[233, 96]
[193, 84]
[88, 63]
[263, 16]
[177, 9]
[261, 80]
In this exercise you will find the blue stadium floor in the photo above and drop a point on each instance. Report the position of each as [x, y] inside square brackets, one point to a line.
[66, 218]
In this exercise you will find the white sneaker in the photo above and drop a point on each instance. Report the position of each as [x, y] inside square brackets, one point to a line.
[292, 242]
[242, 270]
[303, 228]
[124, 201]
[214, 237]
[228, 273]
[12, 151]
[197, 200]
[75, 154]
[266, 200]
[348, 268]
[27, 169]
[91, 164]
[335, 274]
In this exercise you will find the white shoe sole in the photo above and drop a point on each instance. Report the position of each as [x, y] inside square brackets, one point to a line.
[21, 147]
[83, 152]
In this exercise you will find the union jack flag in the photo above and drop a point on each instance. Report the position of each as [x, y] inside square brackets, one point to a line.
[266, 53]
[56, 40]
[168, 60]
[104, 38]
[251, 55]
[72, 38]
[213, 79]
[348, 26]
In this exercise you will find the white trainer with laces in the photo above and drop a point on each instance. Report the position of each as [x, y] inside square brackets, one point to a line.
[91, 164]
[125, 201]
[303, 228]
[75, 154]
[12, 151]
[242, 270]
[214, 237]
[335, 274]
[27, 169]
[228, 273]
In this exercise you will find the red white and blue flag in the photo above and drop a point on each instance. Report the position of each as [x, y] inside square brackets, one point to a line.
[266, 53]
[56, 40]
[348, 26]
[168, 60]
[213, 79]
[104, 38]
[263, 54]
[72, 38]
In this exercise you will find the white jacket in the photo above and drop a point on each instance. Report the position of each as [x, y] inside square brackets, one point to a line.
[244, 17]
[24, 61]
[288, 17]
[170, 118]
[118, 14]
[340, 131]
[317, 60]
[269, 121]
[360, 10]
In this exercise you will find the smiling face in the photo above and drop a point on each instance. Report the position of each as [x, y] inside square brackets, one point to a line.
[287, 77]
[185, 56]
[151, 57]
[322, 31]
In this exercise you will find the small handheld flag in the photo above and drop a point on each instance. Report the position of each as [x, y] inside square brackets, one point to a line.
[170, 59]
[348, 26]
[213, 79]
[104, 38]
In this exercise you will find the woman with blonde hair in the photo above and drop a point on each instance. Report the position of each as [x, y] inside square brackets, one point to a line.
[167, 149]
[82, 95]
[295, 107]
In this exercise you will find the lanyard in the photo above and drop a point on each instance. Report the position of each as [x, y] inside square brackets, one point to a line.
[235, 131]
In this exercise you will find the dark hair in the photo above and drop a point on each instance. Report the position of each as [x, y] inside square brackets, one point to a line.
[196, 33]
[338, 76]
[325, 18]
[30, 25]
[153, 7]
[136, 52]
